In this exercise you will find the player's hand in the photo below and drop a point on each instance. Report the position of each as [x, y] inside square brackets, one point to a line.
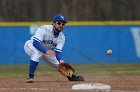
[61, 61]
[50, 53]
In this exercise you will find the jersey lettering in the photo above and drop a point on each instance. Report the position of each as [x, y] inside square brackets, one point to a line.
[49, 42]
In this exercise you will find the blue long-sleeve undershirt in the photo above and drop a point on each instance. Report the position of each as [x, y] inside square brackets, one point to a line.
[39, 46]
[58, 55]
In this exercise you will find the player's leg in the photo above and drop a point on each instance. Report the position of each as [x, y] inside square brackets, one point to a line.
[52, 61]
[32, 67]
[35, 55]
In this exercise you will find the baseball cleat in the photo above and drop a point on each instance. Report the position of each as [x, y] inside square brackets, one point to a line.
[30, 79]
[75, 78]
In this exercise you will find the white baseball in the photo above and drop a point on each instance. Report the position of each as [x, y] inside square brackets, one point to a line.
[109, 52]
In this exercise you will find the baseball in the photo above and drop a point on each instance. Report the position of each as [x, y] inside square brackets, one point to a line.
[109, 52]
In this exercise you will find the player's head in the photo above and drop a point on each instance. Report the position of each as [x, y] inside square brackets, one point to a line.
[59, 17]
[59, 22]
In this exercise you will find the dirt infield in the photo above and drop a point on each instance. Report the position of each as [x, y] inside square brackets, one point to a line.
[61, 84]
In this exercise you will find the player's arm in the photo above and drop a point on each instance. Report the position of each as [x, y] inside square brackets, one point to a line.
[59, 56]
[37, 44]
[58, 50]
[37, 40]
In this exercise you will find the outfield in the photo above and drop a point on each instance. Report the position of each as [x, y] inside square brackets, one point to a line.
[124, 77]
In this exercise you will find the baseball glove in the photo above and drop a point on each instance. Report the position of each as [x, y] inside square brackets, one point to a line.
[66, 69]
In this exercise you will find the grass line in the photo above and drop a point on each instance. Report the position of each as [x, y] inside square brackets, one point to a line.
[84, 69]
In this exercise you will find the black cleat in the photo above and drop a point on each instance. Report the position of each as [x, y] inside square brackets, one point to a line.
[75, 78]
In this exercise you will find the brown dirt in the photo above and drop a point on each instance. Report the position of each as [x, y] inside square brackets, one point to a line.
[61, 84]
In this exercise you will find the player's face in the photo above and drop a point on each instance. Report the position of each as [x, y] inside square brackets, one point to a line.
[59, 25]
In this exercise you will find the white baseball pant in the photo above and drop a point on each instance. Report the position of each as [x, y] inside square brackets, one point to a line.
[35, 55]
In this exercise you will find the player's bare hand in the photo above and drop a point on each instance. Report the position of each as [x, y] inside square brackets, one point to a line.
[61, 61]
[50, 53]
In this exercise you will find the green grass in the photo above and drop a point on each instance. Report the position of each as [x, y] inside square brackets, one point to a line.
[109, 69]
[84, 69]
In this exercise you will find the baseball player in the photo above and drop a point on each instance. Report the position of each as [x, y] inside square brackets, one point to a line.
[47, 44]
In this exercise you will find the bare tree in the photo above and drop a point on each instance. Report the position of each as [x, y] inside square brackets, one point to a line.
[76, 10]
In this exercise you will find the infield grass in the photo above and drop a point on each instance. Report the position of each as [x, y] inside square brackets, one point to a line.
[84, 69]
